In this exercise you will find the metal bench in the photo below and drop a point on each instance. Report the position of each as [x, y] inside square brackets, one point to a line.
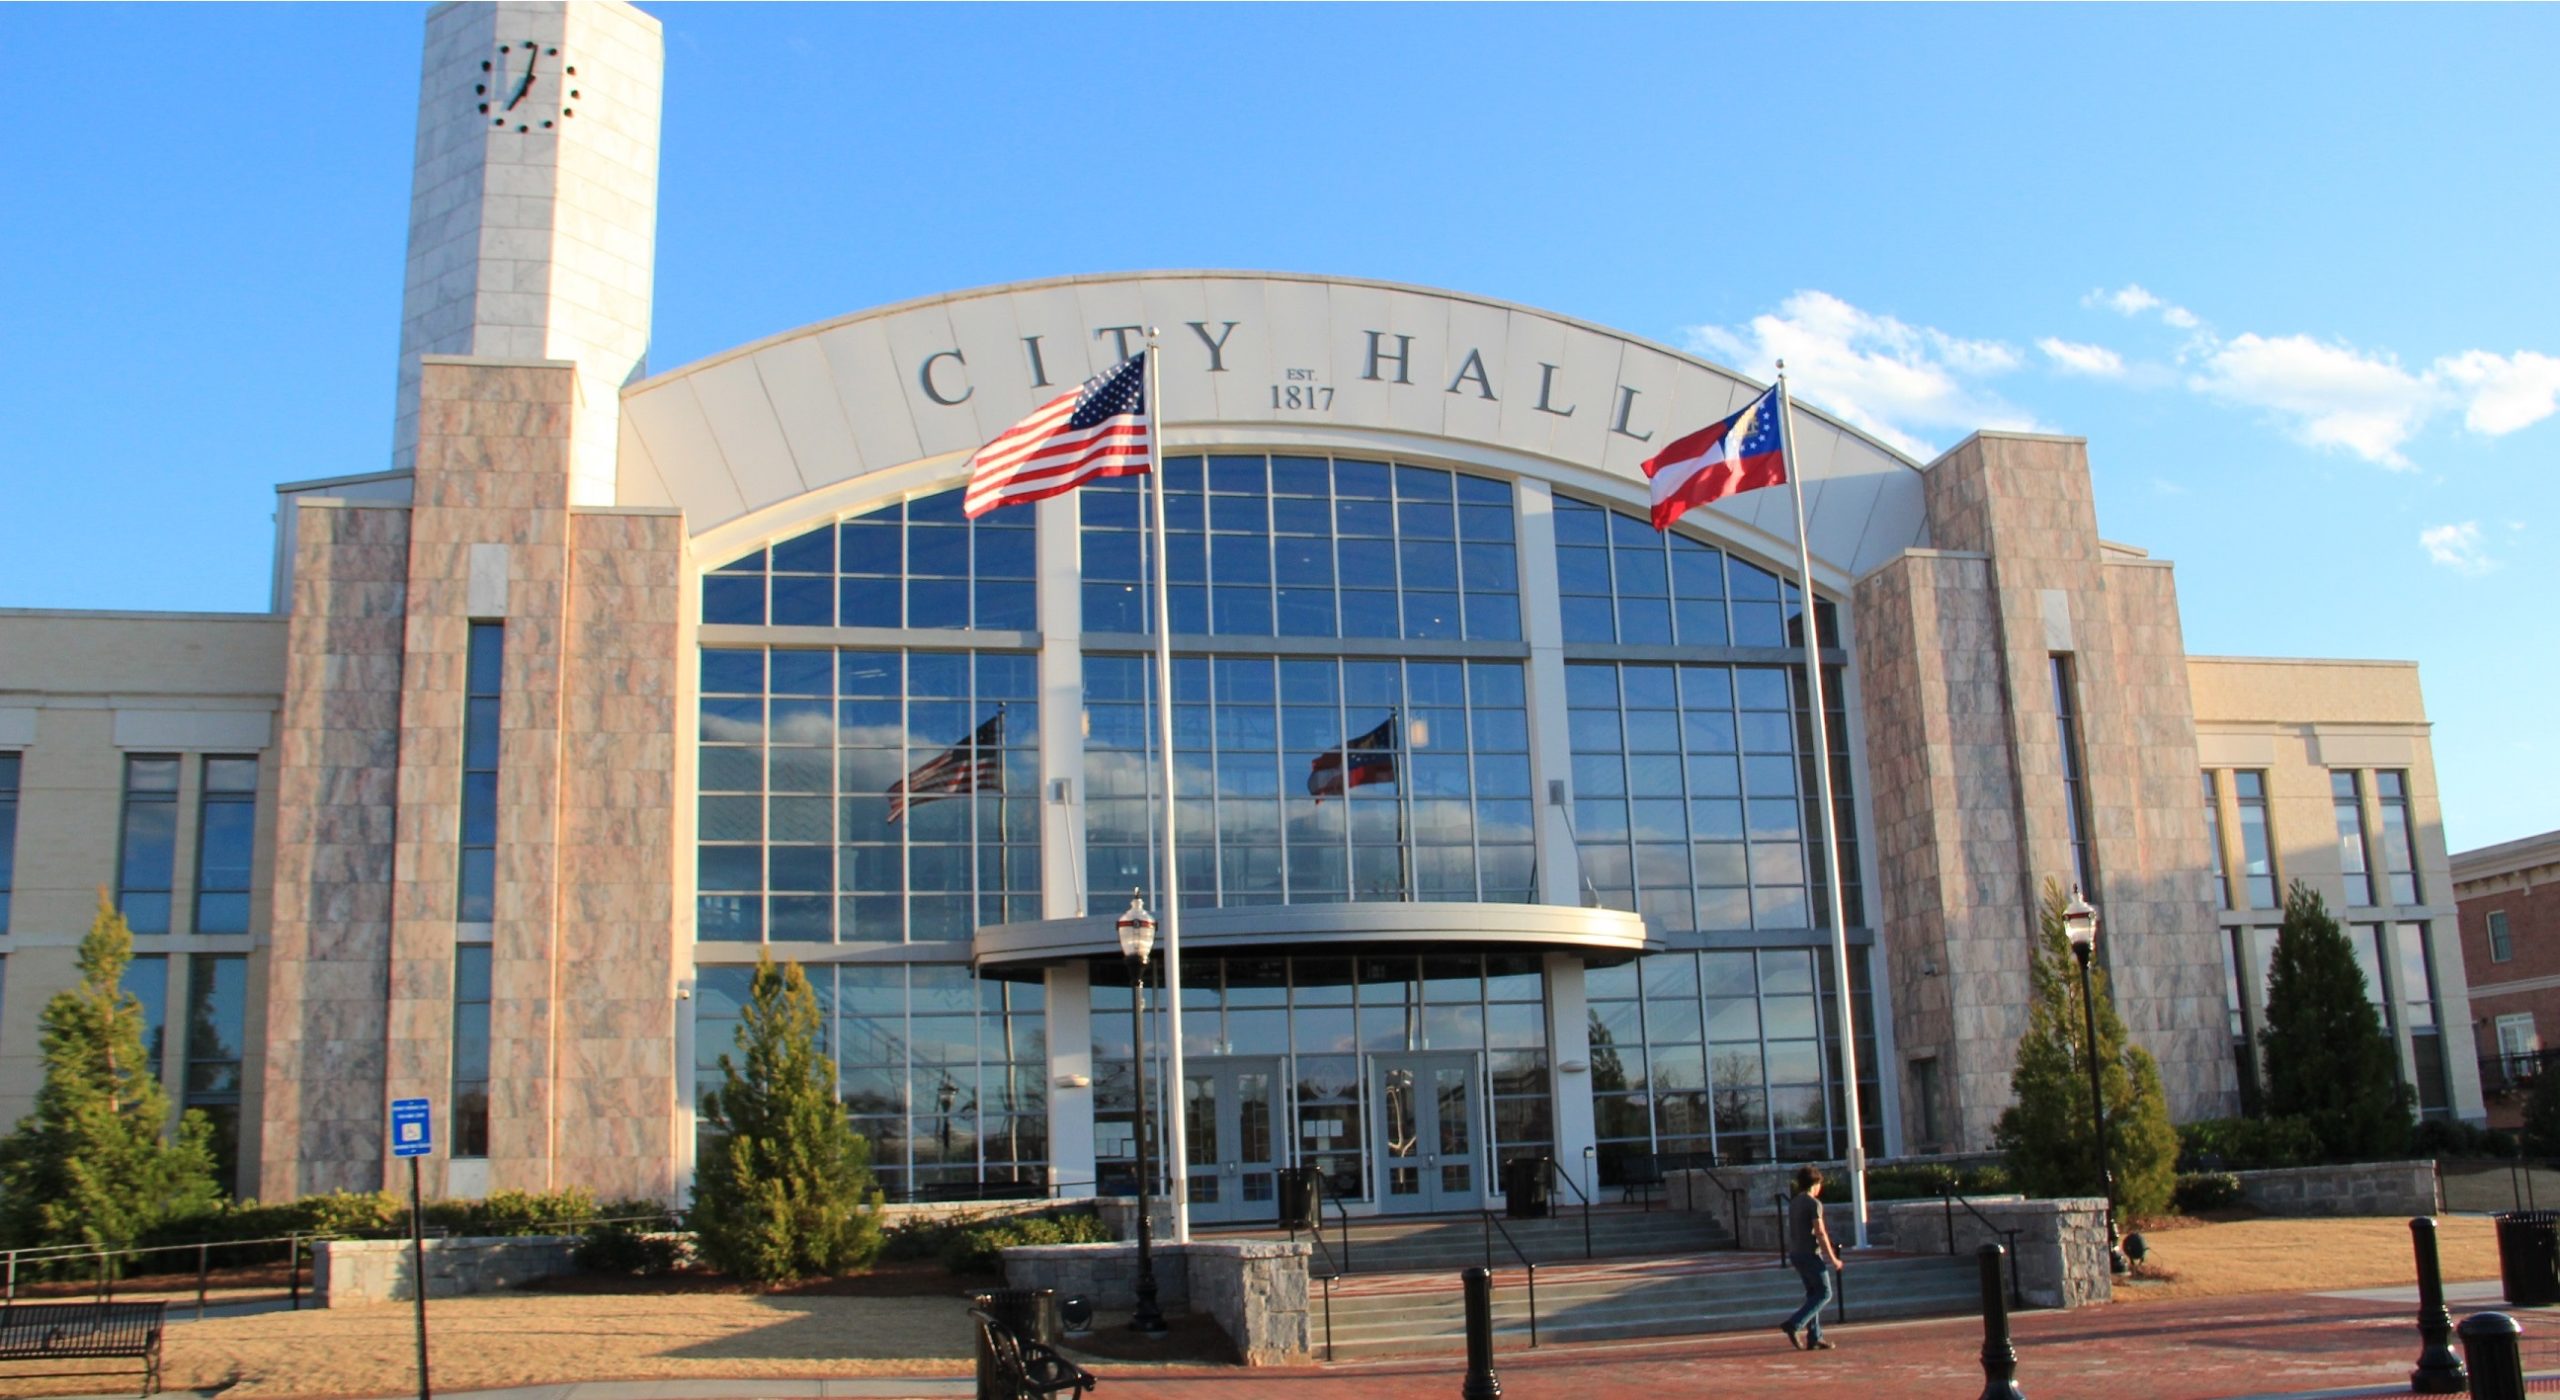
[83, 1332]
[1015, 1367]
[1643, 1171]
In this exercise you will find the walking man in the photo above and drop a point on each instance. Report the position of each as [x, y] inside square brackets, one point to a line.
[1809, 1249]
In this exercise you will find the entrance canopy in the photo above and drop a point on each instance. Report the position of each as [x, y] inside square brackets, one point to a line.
[1019, 949]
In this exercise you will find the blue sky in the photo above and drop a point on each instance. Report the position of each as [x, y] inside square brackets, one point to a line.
[2287, 268]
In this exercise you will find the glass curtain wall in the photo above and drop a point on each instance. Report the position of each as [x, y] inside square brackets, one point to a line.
[946, 1076]
[1326, 1019]
[1733, 1053]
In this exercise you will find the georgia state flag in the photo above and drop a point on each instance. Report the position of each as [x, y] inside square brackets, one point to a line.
[1742, 453]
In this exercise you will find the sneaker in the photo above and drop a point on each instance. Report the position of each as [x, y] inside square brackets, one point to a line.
[1818, 1344]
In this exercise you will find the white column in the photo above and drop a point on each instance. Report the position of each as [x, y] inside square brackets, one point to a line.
[1550, 740]
[1569, 1043]
[1070, 1026]
[1061, 569]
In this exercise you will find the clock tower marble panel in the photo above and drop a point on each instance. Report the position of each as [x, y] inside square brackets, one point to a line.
[533, 212]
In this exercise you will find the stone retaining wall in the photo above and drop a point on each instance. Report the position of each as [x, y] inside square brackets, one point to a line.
[2357, 1188]
[2061, 1244]
[1255, 1289]
[899, 1213]
[351, 1273]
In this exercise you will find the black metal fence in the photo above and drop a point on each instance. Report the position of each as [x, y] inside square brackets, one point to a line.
[2504, 1074]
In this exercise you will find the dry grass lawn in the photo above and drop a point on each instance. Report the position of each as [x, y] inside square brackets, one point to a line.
[510, 1339]
[2291, 1256]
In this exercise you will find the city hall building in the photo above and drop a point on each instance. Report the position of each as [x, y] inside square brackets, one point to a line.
[598, 689]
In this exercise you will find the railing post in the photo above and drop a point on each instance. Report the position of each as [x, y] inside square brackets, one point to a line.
[2439, 1371]
[1999, 1357]
[2493, 1343]
[293, 1268]
[1947, 1195]
[203, 1255]
[1481, 1383]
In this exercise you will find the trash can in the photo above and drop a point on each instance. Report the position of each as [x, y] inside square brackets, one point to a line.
[2529, 1256]
[1030, 1312]
[1299, 1188]
[1524, 1188]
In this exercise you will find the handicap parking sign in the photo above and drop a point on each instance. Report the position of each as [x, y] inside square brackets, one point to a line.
[412, 1130]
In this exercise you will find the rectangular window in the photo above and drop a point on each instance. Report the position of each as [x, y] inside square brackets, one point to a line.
[2257, 846]
[150, 848]
[2346, 799]
[146, 979]
[2213, 842]
[217, 1021]
[8, 831]
[471, 1050]
[2399, 848]
[2075, 786]
[2501, 944]
[2517, 1041]
[2416, 975]
[226, 832]
[479, 838]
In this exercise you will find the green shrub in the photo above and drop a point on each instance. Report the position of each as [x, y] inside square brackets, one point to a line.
[1928, 1179]
[629, 1250]
[2438, 1137]
[2205, 1191]
[2247, 1144]
[974, 1249]
[2542, 1117]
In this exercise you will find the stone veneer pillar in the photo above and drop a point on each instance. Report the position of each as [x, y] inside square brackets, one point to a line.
[588, 894]
[329, 937]
[1966, 759]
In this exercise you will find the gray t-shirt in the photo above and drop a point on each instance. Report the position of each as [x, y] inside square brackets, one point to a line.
[1802, 1211]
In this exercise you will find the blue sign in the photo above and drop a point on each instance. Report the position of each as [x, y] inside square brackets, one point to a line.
[413, 1131]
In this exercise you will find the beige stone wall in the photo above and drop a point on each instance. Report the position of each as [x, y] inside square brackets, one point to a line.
[337, 772]
[1967, 769]
[78, 692]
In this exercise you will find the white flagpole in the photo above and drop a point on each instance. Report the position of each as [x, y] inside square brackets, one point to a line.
[1177, 1146]
[1830, 821]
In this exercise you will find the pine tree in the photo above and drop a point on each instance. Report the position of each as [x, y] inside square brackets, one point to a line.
[785, 1190]
[2047, 1132]
[2328, 1059]
[92, 1165]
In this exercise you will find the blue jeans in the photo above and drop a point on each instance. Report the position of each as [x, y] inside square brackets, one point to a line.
[1816, 1273]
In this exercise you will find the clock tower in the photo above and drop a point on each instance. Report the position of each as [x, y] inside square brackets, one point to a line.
[533, 212]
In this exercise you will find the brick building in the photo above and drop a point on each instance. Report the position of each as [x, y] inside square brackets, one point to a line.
[2510, 911]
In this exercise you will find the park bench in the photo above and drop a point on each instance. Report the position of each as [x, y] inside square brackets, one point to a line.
[1643, 1171]
[1012, 1366]
[83, 1332]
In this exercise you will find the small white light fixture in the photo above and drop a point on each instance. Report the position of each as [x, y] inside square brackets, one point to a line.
[1575, 1067]
[1137, 931]
[2080, 922]
[1075, 1081]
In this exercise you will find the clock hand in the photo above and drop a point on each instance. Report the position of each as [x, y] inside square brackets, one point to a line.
[531, 56]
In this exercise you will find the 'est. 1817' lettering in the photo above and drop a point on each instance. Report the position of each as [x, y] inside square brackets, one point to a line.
[1301, 394]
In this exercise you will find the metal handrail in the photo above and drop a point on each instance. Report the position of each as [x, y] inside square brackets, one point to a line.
[1733, 1198]
[1555, 1174]
[1345, 1214]
[1332, 1271]
[2017, 1299]
[1492, 1224]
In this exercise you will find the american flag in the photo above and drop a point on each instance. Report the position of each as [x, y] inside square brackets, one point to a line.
[1097, 430]
[1356, 762]
[975, 764]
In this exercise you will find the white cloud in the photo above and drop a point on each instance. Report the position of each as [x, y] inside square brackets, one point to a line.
[2075, 358]
[2181, 317]
[2457, 547]
[1887, 377]
[2506, 392]
[2133, 299]
[2325, 395]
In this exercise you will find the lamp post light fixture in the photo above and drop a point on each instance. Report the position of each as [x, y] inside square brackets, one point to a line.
[2080, 926]
[1137, 940]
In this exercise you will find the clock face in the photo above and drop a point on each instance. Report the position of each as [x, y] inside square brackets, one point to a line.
[525, 87]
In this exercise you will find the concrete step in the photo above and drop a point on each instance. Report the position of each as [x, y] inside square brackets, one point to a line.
[1411, 1246]
[1381, 1315]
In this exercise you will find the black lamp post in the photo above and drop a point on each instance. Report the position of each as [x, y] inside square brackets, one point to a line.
[1137, 940]
[943, 1096]
[2080, 925]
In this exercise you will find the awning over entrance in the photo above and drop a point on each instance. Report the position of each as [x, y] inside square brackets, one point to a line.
[1002, 949]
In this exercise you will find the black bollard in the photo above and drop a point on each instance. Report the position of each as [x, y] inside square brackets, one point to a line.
[1481, 1382]
[1999, 1358]
[2439, 1371]
[2493, 1343]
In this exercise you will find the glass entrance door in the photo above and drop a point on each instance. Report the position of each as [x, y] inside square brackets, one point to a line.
[1227, 1105]
[1430, 1154]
